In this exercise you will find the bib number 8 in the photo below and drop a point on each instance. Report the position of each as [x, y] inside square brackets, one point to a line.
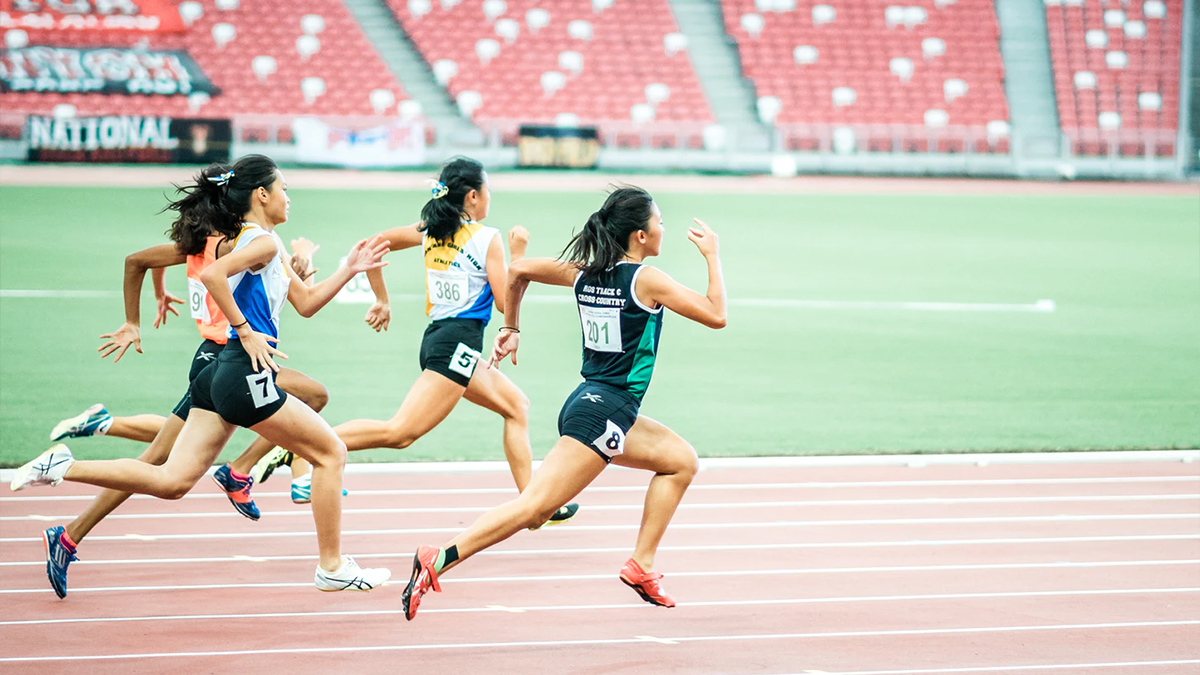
[612, 441]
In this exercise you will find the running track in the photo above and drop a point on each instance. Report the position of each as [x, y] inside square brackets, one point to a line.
[1053, 568]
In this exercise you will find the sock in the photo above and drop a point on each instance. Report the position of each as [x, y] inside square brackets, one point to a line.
[65, 540]
[445, 557]
[102, 430]
[238, 476]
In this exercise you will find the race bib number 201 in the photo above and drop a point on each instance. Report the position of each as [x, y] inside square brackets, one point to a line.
[601, 328]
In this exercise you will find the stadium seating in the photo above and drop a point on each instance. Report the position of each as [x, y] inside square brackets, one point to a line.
[1116, 74]
[508, 62]
[289, 42]
[922, 75]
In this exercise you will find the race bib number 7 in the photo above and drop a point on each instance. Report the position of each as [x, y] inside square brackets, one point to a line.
[198, 300]
[262, 387]
[447, 287]
[601, 328]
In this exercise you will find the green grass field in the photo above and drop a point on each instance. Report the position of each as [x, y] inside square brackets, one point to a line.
[1117, 365]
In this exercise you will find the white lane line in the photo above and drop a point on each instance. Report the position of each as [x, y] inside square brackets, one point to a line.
[1041, 306]
[631, 605]
[1064, 518]
[1009, 541]
[526, 644]
[1025, 667]
[694, 488]
[725, 506]
[609, 575]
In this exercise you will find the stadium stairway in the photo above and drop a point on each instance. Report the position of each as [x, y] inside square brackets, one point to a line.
[406, 63]
[1029, 79]
[715, 59]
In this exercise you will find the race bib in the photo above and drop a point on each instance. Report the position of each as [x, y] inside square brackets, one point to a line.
[262, 388]
[447, 287]
[198, 300]
[612, 441]
[464, 360]
[601, 328]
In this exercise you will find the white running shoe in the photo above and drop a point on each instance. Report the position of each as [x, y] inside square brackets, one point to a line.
[351, 577]
[47, 469]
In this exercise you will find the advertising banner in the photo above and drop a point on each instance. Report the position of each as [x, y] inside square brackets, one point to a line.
[128, 139]
[108, 71]
[387, 145]
[136, 16]
[570, 147]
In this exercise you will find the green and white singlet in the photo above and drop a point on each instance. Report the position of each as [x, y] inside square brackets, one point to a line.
[620, 334]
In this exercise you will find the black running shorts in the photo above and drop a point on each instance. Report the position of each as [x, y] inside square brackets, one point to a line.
[599, 416]
[205, 355]
[453, 347]
[232, 389]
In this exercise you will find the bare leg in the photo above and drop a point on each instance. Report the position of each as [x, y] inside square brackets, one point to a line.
[296, 384]
[108, 500]
[142, 428]
[491, 389]
[567, 470]
[652, 446]
[428, 402]
[296, 427]
[200, 441]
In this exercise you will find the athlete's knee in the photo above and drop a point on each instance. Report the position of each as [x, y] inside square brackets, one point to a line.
[398, 436]
[519, 409]
[315, 396]
[330, 455]
[685, 462]
[175, 487]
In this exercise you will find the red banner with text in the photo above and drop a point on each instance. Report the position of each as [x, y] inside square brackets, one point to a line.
[133, 16]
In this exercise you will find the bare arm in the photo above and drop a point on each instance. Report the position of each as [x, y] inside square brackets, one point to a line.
[215, 278]
[548, 271]
[655, 287]
[136, 264]
[497, 270]
[398, 238]
[366, 255]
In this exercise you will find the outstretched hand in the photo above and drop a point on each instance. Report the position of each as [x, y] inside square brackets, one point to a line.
[120, 340]
[164, 306]
[506, 344]
[704, 239]
[258, 348]
[367, 255]
[379, 316]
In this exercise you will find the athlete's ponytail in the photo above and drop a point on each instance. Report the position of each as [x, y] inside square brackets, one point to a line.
[604, 239]
[216, 200]
[443, 214]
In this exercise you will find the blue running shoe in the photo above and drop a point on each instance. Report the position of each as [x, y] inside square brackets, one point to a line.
[302, 489]
[238, 492]
[94, 420]
[58, 556]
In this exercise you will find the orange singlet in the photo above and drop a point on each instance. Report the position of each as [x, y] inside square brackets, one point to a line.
[210, 321]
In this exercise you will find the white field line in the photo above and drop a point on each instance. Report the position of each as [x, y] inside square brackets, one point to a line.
[608, 575]
[637, 640]
[1041, 306]
[908, 543]
[929, 501]
[701, 487]
[1065, 518]
[1025, 667]
[569, 608]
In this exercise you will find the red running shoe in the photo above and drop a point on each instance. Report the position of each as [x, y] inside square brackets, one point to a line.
[645, 583]
[423, 578]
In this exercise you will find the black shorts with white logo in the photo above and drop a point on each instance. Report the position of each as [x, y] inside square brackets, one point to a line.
[205, 355]
[599, 416]
[232, 389]
[453, 347]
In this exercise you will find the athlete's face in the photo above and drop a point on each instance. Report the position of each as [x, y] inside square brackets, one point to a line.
[277, 203]
[651, 238]
[477, 202]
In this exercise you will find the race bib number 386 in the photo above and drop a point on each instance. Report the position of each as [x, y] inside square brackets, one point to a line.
[447, 287]
[601, 328]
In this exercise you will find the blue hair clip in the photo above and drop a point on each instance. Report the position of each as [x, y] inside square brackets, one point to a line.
[437, 188]
[223, 178]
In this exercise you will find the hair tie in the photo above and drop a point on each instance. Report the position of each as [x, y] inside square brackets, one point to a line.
[437, 188]
[223, 178]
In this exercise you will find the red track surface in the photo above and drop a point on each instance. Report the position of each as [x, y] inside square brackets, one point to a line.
[942, 569]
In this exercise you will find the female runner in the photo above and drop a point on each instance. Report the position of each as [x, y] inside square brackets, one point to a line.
[249, 285]
[465, 274]
[620, 303]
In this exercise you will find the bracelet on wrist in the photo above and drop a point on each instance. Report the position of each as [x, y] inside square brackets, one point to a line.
[511, 329]
[240, 324]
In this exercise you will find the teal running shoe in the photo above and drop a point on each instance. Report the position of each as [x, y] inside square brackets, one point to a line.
[302, 490]
[94, 420]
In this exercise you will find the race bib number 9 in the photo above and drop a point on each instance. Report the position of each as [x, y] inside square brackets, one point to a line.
[601, 328]
[198, 300]
[447, 287]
